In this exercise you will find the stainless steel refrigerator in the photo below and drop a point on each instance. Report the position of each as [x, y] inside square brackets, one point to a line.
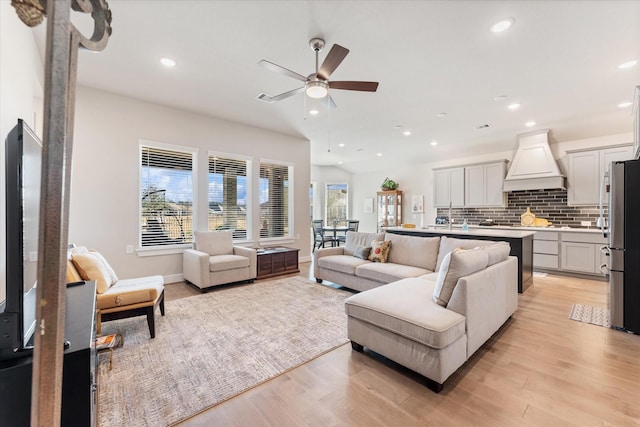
[624, 244]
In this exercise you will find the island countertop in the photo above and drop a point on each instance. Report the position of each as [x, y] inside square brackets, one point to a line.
[479, 232]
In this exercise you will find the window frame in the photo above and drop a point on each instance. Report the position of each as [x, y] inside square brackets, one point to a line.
[148, 250]
[249, 189]
[290, 199]
[327, 220]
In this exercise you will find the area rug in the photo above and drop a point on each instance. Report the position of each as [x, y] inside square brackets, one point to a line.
[211, 347]
[589, 314]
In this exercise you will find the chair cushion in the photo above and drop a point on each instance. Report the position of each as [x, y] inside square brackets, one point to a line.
[227, 262]
[456, 264]
[110, 270]
[213, 242]
[342, 263]
[405, 308]
[131, 291]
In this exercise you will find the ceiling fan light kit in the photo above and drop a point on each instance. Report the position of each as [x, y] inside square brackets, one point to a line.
[317, 84]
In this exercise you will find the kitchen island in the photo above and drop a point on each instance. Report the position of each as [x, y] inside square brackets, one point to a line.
[521, 242]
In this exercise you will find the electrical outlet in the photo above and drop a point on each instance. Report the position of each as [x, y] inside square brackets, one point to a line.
[585, 223]
[129, 249]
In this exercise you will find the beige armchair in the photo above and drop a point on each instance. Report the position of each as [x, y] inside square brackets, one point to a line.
[116, 298]
[215, 260]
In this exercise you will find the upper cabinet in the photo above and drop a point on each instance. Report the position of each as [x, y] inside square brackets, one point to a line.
[586, 169]
[448, 187]
[476, 185]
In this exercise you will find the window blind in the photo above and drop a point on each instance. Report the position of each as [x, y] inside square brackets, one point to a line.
[274, 200]
[228, 195]
[166, 196]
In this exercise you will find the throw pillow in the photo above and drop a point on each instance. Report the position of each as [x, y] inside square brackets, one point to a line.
[362, 252]
[91, 268]
[456, 264]
[110, 270]
[380, 250]
[497, 253]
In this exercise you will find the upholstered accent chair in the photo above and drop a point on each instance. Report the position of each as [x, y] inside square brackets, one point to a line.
[116, 298]
[215, 260]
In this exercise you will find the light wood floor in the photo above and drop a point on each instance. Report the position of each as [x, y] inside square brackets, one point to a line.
[540, 369]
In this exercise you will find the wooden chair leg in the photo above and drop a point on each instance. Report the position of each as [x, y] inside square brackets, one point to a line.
[151, 321]
[162, 304]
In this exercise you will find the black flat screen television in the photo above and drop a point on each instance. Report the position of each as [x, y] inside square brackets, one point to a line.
[23, 165]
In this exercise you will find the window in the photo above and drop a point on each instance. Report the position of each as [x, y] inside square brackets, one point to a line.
[166, 195]
[275, 199]
[337, 202]
[228, 195]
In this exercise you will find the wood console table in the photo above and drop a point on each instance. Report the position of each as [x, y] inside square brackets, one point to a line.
[277, 261]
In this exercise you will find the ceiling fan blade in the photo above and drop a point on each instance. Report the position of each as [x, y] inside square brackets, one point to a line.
[361, 86]
[331, 62]
[269, 99]
[278, 69]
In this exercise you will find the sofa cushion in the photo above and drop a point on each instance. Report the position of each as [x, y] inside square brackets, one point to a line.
[388, 272]
[405, 308]
[456, 264]
[213, 242]
[227, 262]
[413, 250]
[362, 252]
[358, 238]
[342, 263]
[497, 252]
[447, 244]
[379, 250]
[91, 268]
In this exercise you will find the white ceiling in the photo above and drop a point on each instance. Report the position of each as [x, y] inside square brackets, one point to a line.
[559, 61]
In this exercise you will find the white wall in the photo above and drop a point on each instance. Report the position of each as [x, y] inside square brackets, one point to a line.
[104, 193]
[21, 76]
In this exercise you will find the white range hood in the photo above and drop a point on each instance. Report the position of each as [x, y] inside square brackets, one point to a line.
[534, 167]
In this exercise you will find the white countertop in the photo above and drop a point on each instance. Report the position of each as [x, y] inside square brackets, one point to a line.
[507, 227]
[473, 231]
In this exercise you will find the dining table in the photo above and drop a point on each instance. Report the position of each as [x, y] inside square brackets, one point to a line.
[335, 230]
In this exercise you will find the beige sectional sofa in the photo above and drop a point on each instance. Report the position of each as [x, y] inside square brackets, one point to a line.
[432, 305]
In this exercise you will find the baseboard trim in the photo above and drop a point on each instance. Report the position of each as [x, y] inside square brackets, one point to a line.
[173, 278]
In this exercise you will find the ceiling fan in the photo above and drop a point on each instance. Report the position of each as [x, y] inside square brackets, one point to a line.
[317, 84]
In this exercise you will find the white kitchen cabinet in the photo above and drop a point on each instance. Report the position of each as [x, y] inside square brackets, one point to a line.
[580, 257]
[545, 250]
[448, 187]
[586, 168]
[483, 184]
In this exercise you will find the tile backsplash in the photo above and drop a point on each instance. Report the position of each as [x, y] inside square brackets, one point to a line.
[548, 204]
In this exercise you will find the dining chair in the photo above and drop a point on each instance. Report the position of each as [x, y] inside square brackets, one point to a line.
[319, 237]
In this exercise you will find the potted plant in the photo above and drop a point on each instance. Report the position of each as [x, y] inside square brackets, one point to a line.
[389, 184]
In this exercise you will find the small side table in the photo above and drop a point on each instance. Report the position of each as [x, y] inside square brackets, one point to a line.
[109, 343]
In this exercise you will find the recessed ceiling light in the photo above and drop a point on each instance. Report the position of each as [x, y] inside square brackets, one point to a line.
[513, 106]
[168, 62]
[314, 112]
[379, 154]
[500, 98]
[625, 104]
[627, 64]
[502, 25]
[339, 162]
[530, 124]
[406, 133]
[341, 144]
[434, 143]
[441, 115]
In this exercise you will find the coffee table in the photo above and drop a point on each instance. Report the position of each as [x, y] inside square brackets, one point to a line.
[276, 261]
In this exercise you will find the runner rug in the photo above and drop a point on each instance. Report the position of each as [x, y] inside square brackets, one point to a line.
[590, 314]
[211, 347]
